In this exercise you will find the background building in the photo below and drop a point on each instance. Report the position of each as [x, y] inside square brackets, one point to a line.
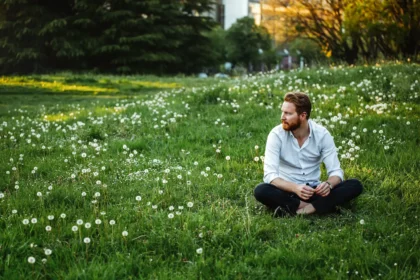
[227, 12]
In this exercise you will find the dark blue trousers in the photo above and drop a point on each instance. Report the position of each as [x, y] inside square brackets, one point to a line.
[273, 197]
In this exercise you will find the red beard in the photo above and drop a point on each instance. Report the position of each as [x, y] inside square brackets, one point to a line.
[292, 126]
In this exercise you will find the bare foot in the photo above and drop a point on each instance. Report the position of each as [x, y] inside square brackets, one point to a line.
[302, 204]
[308, 209]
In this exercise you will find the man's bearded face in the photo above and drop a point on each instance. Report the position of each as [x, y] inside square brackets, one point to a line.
[289, 118]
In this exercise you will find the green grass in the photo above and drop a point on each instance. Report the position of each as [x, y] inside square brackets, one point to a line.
[166, 140]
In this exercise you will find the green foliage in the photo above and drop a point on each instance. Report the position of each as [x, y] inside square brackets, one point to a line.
[116, 36]
[245, 39]
[306, 48]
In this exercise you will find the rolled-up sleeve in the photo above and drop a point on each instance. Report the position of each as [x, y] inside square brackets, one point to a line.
[272, 157]
[330, 157]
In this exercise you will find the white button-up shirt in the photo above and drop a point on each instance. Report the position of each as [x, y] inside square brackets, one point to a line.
[286, 160]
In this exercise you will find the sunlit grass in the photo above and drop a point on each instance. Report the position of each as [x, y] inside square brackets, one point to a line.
[51, 86]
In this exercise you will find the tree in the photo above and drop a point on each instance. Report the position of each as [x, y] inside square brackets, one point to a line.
[245, 41]
[130, 36]
[349, 29]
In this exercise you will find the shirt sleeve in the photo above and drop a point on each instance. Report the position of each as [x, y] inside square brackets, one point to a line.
[272, 157]
[330, 157]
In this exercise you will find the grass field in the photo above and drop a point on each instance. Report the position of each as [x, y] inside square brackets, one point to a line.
[135, 177]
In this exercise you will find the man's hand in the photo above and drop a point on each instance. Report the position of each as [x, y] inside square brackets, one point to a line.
[304, 192]
[323, 189]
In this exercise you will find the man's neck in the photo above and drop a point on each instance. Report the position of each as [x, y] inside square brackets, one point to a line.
[302, 132]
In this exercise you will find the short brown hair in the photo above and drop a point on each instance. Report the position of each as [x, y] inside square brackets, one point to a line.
[301, 101]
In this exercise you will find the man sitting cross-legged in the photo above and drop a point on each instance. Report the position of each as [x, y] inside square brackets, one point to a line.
[293, 155]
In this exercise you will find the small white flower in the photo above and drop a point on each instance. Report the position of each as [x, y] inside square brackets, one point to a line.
[48, 228]
[31, 260]
[87, 225]
[112, 222]
[97, 194]
[256, 159]
[227, 157]
[124, 233]
[98, 182]
[39, 194]
[1, 195]
[199, 251]
[86, 240]
[83, 193]
[362, 222]
[256, 147]
[74, 228]
[44, 261]
[83, 155]
[34, 220]
[50, 217]
[170, 215]
[47, 251]
[190, 204]
[138, 198]
[171, 208]
[79, 222]
[62, 215]
[14, 211]
[195, 163]
[180, 207]
[98, 221]
[25, 221]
